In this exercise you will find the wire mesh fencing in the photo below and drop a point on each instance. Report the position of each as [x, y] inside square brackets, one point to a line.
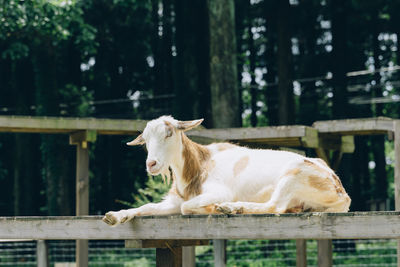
[251, 253]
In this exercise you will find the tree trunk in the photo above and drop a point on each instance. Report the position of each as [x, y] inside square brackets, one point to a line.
[271, 90]
[309, 106]
[168, 82]
[378, 142]
[240, 28]
[47, 105]
[223, 85]
[192, 77]
[339, 70]
[285, 74]
[252, 59]
[24, 175]
[360, 174]
[156, 48]
[397, 109]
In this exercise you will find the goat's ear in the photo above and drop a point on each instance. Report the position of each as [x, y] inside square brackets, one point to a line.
[188, 125]
[138, 141]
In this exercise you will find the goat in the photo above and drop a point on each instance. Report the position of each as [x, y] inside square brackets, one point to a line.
[230, 179]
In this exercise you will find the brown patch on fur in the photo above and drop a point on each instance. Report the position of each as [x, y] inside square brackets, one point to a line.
[338, 184]
[240, 165]
[318, 168]
[225, 146]
[336, 181]
[308, 162]
[330, 200]
[294, 171]
[296, 209]
[196, 158]
[323, 184]
[210, 209]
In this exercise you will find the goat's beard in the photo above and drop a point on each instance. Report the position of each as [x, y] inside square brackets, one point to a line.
[166, 175]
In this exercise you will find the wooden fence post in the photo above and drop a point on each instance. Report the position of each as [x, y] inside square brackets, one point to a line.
[301, 253]
[396, 129]
[81, 139]
[219, 252]
[42, 253]
[188, 256]
[325, 253]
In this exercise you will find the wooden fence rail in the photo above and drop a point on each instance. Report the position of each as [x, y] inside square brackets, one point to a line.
[352, 225]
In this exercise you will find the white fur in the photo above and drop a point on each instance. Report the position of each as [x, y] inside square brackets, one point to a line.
[272, 181]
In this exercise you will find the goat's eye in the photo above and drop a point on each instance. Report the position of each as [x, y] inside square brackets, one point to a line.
[169, 133]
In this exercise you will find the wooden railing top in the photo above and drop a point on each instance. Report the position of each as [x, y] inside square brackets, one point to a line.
[294, 135]
[26, 124]
[367, 126]
[351, 225]
[277, 136]
[289, 136]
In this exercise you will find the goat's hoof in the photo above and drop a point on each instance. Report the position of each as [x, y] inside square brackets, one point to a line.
[115, 217]
[228, 209]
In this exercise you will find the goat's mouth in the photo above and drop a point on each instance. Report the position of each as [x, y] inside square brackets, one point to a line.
[156, 170]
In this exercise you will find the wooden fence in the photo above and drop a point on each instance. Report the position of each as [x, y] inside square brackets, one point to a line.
[330, 139]
[169, 233]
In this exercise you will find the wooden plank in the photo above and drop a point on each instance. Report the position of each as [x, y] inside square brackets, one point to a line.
[278, 136]
[25, 124]
[270, 143]
[219, 252]
[301, 253]
[82, 253]
[262, 226]
[189, 256]
[397, 176]
[325, 253]
[367, 126]
[157, 243]
[82, 194]
[82, 181]
[77, 138]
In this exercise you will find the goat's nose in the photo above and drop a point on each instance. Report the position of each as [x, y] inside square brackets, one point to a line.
[151, 163]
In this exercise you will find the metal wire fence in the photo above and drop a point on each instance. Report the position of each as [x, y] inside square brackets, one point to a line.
[251, 253]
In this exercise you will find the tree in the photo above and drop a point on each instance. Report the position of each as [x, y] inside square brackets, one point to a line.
[271, 90]
[339, 60]
[309, 62]
[222, 60]
[252, 69]
[193, 71]
[285, 65]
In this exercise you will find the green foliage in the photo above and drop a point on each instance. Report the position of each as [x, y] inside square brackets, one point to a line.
[154, 190]
[78, 100]
[390, 162]
[142, 262]
[35, 23]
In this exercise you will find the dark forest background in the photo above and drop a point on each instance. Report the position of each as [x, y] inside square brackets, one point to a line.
[275, 62]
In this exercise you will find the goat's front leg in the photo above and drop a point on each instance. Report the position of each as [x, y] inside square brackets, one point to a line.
[205, 203]
[170, 205]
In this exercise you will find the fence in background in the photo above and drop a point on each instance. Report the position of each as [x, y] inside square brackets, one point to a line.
[349, 253]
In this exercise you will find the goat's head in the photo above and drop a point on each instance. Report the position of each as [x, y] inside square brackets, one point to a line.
[163, 141]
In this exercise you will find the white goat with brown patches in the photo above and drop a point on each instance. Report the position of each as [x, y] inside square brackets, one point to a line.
[225, 178]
